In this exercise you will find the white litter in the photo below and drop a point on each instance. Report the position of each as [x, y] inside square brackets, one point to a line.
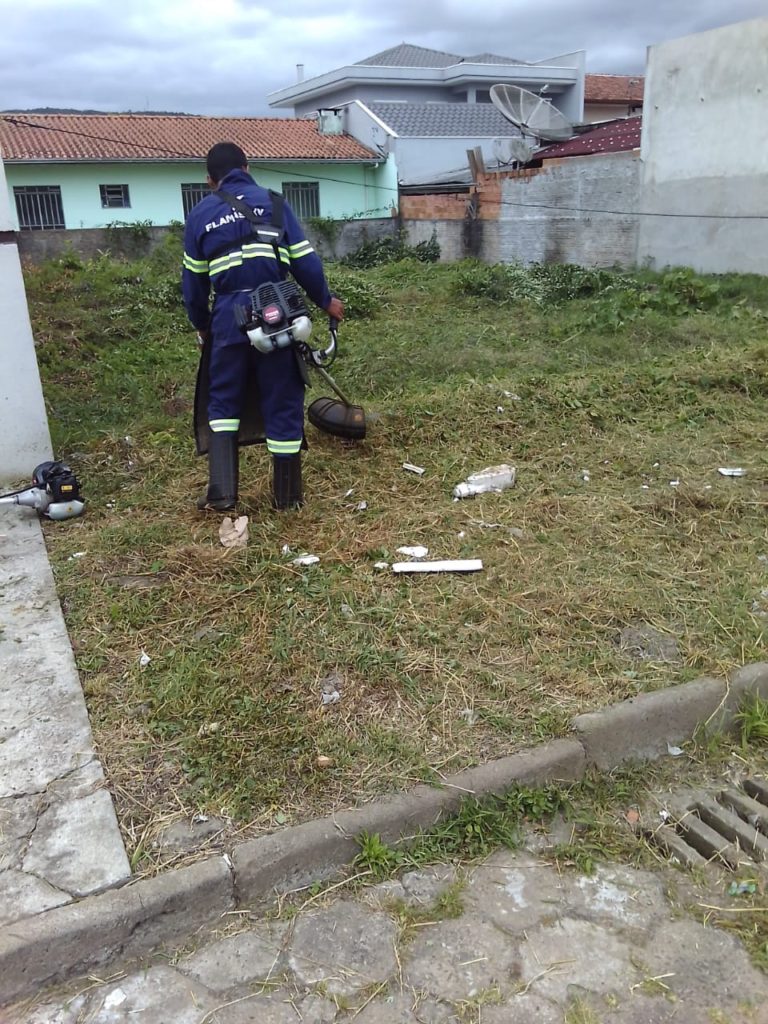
[461, 534]
[646, 487]
[77, 554]
[448, 565]
[419, 470]
[415, 552]
[115, 998]
[674, 751]
[492, 478]
[585, 476]
[306, 559]
[674, 483]
[144, 660]
[285, 549]
[735, 471]
[499, 408]
[347, 493]
[381, 565]
[233, 533]
[361, 506]
[331, 698]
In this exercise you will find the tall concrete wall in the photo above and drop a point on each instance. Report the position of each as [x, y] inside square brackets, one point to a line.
[24, 437]
[704, 151]
[550, 216]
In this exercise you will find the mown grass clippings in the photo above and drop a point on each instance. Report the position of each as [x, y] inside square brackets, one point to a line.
[434, 675]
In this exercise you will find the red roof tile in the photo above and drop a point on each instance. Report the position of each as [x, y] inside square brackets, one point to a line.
[614, 137]
[129, 137]
[614, 89]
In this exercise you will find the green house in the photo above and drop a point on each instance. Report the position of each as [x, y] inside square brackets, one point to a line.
[74, 171]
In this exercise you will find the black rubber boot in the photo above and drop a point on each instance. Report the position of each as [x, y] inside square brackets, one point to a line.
[223, 468]
[286, 482]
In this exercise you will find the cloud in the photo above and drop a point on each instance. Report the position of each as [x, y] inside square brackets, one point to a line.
[225, 57]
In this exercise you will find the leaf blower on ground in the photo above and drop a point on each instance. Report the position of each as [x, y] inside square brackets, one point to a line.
[55, 492]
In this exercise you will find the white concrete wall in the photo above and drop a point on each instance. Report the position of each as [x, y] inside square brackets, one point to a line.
[24, 437]
[551, 217]
[705, 151]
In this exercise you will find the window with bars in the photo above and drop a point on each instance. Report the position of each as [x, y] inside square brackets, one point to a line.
[303, 197]
[191, 194]
[39, 207]
[114, 196]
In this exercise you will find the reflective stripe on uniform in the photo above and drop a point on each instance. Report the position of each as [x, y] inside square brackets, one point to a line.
[299, 250]
[224, 426]
[283, 447]
[249, 251]
[196, 266]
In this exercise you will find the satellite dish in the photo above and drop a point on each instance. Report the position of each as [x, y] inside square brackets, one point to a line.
[533, 114]
[514, 150]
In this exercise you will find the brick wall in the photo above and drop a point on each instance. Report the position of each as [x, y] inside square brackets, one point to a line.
[559, 230]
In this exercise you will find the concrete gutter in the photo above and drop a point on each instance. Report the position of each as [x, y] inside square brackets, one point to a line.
[142, 916]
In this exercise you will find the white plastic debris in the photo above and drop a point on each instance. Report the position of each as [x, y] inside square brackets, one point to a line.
[674, 751]
[447, 565]
[306, 559]
[115, 998]
[349, 492]
[331, 698]
[144, 660]
[656, 465]
[419, 470]
[732, 471]
[381, 565]
[664, 815]
[415, 552]
[233, 533]
[285, 550]
[646, 487]
[77, 554]
[585, 475]
[499, 409]
[674, 483]
[461, 534]
[361, 506]
[492, 478]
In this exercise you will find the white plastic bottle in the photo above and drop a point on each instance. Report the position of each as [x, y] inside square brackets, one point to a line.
[492, 478]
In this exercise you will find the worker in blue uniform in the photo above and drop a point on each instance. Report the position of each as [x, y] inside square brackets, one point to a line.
[224, 252]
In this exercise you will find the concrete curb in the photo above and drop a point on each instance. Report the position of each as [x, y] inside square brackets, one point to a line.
[142, 916]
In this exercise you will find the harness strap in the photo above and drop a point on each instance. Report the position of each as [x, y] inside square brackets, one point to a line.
[270, 234]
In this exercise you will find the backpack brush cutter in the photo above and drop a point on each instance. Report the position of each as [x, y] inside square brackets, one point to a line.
[55, 492]
[278, 318]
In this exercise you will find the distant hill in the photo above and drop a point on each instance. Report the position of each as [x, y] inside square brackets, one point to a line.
[72, 110]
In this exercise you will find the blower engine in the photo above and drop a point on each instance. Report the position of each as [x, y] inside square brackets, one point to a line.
[278, 318]
[55, 492]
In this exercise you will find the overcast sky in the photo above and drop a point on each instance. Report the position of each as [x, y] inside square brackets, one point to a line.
[225, 56]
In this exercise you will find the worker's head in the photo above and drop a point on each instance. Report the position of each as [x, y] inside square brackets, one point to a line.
[223, 158]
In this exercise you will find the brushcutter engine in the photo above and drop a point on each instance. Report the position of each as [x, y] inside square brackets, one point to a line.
[278, 318]
[55, 492]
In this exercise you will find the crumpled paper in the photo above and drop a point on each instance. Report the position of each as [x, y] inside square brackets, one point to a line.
[233, 533]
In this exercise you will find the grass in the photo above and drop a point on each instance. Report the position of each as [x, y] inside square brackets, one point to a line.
[435, 673]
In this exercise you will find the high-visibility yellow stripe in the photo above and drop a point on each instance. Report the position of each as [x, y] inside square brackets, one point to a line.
[224, 426]
[196, 266]
[299, 250]
[248, 252]
[283, 447]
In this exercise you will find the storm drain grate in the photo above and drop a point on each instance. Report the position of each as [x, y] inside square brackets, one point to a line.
[729, 827]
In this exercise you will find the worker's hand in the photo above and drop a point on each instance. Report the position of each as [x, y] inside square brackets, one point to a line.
[335, 308]
[203, 336]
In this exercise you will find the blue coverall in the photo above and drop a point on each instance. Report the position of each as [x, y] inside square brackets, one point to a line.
[213, 225]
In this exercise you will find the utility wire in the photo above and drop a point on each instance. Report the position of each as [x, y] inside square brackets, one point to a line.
[388, 188]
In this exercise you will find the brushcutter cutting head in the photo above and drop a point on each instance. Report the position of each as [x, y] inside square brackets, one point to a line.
[335, 417]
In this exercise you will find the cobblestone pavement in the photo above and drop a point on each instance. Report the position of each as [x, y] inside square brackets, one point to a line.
[509, 941]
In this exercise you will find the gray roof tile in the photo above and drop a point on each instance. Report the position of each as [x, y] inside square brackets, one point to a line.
[407, 56]
[492, 58]
[444, 119]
